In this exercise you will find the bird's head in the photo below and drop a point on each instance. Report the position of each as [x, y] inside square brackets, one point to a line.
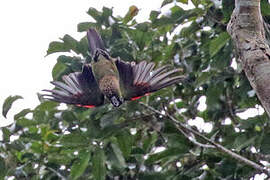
[116, 100]
[100, 54]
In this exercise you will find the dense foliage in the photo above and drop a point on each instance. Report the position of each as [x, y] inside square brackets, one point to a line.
[132, 142]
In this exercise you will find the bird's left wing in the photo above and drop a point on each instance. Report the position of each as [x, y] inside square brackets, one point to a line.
[137, 80]
[79, 88]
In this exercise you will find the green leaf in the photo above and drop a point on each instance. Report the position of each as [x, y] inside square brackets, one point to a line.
[183, 1]
[150, 141]
[165, 2]
[22, 113]
[242, 141]
[195, 2]
[226, 167]
[140, 37]
[154, 158]
[137, 151]
[45, 111]
[26, 122]
[6, 134]
[3, 169]
[99, 168]
[94, 14]
[74, 140]
[177, 13]
[167, 22]
[46, 106]
[67, 60]
[37, 147]
[119, 155]
[84, 26]
[109, 118]
[250, 123]
[51, 136]
[106, 12]
[154, 15]
[58, 70]
[8, 103]
[125, 142]
[78, 168]
[109, 130]
[227, 9]
[83, 46]
[265, 8]
[187, 31]
[57, 46]
[63, 158]
[69, 116]
[69, 43]
[218, 43]
[265, 144]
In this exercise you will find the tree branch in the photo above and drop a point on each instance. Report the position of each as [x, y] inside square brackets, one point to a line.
[193, 140]
[216, 145]
[246, 28]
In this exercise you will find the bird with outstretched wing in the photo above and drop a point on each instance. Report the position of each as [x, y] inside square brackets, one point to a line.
[110, 78]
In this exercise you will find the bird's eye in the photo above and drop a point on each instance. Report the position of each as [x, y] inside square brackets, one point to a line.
[121, 99]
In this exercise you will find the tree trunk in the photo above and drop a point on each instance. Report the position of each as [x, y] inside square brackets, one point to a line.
[247, 31]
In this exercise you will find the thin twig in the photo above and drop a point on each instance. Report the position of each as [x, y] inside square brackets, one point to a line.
[230, 107]
[193, 140]
[191, 136]
[218, 146]
[57, 173]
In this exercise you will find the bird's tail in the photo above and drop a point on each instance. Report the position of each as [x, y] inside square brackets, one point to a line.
[95, 42]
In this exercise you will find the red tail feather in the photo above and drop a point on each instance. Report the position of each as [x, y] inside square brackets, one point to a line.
[85, 106]
[138, 97]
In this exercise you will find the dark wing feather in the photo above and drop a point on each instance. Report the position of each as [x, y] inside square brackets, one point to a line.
[139, 79]
[79, 88]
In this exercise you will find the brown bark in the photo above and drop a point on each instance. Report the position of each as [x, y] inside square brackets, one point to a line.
[247, 31]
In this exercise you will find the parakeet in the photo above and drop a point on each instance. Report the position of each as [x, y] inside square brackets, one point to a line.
[110, 79]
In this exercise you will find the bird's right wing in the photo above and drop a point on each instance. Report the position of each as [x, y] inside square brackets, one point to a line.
[79, 88]
[137, 80]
